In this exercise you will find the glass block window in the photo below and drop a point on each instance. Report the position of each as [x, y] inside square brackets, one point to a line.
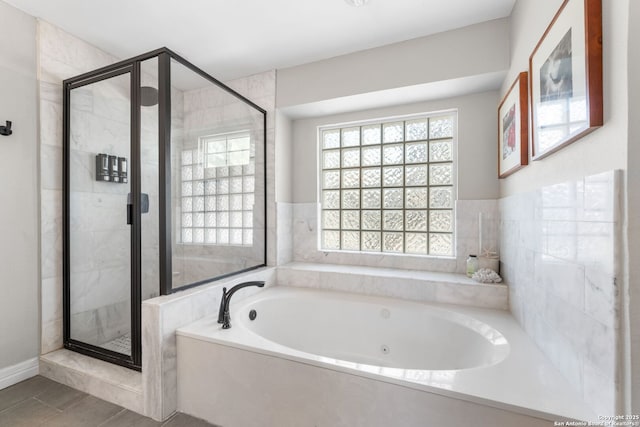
[389, 187]
[218, 180]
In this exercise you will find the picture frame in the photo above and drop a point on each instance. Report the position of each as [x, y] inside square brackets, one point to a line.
[565, 72]
[513, 127]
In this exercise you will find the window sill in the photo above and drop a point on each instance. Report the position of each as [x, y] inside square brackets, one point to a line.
[385, 254]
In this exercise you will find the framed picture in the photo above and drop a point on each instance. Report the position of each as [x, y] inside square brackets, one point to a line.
[513, 117]
[566, 78]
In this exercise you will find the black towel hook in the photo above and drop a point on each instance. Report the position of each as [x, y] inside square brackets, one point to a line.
[6, 130]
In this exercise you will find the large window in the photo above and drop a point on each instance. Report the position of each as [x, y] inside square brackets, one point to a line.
[389, 186]
[218, 191]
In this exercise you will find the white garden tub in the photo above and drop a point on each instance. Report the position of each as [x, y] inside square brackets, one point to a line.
[327, 358]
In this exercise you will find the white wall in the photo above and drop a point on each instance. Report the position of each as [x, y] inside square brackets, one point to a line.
[469, 51]
[19, 268]
[284, 187]
[284, 158]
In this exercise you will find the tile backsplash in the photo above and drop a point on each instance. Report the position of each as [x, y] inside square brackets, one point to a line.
[558, 256]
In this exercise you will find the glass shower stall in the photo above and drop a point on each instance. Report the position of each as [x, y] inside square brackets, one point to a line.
[163, 189]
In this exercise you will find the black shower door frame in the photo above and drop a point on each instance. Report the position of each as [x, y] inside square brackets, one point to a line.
[134, 360]
[132, 66]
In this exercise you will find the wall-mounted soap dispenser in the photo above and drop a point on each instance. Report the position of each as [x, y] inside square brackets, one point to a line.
[122, 167]
[102, 167]
[113, 169]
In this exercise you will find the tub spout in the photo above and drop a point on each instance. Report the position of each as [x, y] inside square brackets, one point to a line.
[223, 313]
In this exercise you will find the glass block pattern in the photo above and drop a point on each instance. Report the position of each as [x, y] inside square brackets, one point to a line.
[386, 187]
[217, 189]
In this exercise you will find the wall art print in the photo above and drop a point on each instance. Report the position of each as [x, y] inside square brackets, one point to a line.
[513, 118]
[565, 72]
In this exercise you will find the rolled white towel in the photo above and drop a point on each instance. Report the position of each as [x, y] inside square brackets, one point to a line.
[486, 275]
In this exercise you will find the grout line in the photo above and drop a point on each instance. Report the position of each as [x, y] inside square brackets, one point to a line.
[77, 402]
[112, 417]
[52, 417]
[47, 405]
[19, 401]
[15, 404]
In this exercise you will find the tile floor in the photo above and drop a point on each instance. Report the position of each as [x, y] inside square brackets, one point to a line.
[39, 401]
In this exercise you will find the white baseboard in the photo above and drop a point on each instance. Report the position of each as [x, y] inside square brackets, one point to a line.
[19, 372]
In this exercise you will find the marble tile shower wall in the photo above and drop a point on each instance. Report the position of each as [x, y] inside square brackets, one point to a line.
[559, 247]
[60, 56]
[305, 243]
[285, 232]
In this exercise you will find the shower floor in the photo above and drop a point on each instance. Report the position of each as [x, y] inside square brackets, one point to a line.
[122, 344]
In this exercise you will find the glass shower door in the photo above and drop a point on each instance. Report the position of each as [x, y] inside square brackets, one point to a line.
[100, 215]
[164, 188]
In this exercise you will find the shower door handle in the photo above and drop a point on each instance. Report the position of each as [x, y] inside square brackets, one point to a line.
[144, 206]
[129, 214]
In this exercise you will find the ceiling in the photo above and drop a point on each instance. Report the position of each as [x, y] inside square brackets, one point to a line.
[236, 38]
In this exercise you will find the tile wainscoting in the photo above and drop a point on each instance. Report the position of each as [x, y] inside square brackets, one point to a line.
[559, 246]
